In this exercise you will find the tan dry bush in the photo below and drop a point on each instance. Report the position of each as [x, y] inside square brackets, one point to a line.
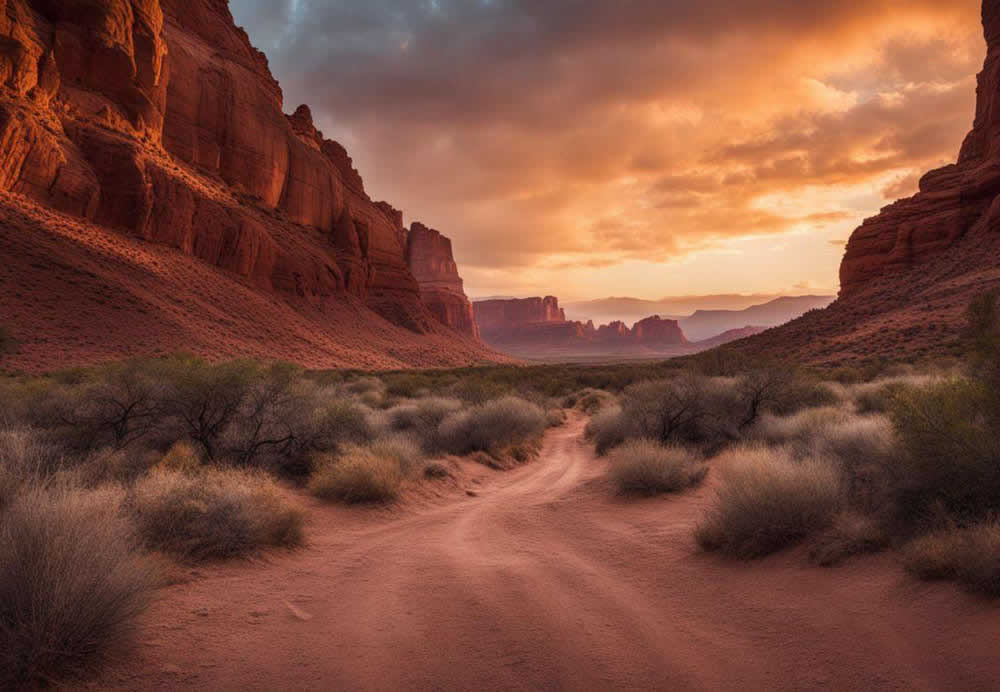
[182, 457]
[214, 514]
[492, 426]
[607, 429]
[72, 584]
[969, 555]
[358, 476]
[850, 534]
[767, 501]
[406, 451]
[645, 467]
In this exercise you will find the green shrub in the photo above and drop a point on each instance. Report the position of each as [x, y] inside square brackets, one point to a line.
[645, 467]
[358, 476]
[72, 585]
[492, 426]
[949, 455]
[767, 501]
[214, 514]
[969, 555]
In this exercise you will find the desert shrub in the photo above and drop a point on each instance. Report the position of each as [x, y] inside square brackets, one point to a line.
[29, 455]
[591, 401]
[181, 457]
[405, 450]
[492, 426]
[214, 514]
[607, 429]
[767, 501]
[799, 431]
[71, 585]
[968, 555]
[555, 418]
[422, 418]
[686, 409]
[206, 399]
[850, 534]
[949, 456]
[876, 397]
[645, 467]
[436, 470]
[359, 475]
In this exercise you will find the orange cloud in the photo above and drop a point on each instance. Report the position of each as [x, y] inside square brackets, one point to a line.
[563, 139]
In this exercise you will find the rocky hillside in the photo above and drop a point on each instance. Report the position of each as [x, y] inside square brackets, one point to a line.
[155, 130]
[909, 273]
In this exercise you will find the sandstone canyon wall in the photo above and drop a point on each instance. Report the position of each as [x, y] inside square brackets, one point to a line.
[158, 119]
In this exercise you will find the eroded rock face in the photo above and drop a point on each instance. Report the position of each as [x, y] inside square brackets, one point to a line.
[158, 118]
[654, 331]
[953, 202]
[430, 258]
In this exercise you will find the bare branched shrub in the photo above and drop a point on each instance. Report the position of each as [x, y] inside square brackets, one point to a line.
[71, 585]
[645, 467]
[767, 501]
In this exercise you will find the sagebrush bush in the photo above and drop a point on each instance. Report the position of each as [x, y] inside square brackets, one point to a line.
[850, 534]
[422, 418]
[607, 429]
[182, 456]
[72, 584]
[492, 426]
[591, 401]
[214, 514]
[358, 476]
[405, 450]
[767, 501]
[968, 555]
[645, 467]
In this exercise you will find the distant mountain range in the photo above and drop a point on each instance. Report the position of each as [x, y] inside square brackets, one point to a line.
[631, 310]
[706, 324]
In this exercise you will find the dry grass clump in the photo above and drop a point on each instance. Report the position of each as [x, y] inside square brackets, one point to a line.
[214, 514]
[406, 451]
[969, 555]
[359, 476]
[182, 457]
[645, 467]
[492, 426]
[850, 534]
[768, 501]
[72, 584]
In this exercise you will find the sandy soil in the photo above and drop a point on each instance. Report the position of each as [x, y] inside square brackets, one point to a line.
[544, 580]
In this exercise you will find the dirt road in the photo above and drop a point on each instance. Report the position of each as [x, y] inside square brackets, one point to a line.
[545, 581]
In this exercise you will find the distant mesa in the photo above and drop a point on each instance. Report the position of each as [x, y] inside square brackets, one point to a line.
[146, 149]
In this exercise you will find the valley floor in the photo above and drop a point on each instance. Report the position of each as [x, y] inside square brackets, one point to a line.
[541, 579]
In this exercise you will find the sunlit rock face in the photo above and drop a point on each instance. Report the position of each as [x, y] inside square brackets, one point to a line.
[159, 119]
[954, 202]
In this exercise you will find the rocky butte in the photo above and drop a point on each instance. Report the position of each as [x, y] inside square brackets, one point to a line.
[138, 133]
[909, 273]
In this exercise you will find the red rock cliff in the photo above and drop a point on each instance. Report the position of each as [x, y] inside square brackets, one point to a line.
[159, 119]
[430, 258]
[954, 202]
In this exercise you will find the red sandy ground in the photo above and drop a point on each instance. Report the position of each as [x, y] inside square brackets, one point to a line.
[74, 293]
[544, 580]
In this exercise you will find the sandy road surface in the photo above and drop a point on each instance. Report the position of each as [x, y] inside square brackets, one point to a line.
[545, 581]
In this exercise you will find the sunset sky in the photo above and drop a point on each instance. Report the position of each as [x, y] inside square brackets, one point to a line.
[589, 148]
